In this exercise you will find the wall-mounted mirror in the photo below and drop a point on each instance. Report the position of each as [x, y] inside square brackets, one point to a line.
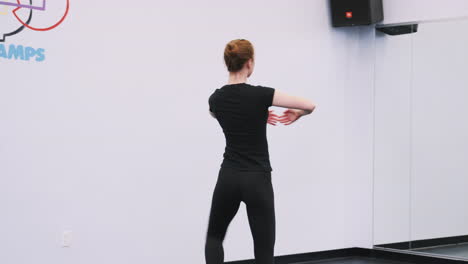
[421, 140]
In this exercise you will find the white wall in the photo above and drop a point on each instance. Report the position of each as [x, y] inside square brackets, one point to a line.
[110, 136]
[421, 143]
[358, 137]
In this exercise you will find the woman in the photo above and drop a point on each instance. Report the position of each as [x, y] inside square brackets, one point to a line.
[245, 174]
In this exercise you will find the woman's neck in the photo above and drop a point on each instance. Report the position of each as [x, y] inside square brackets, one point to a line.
[237, 78]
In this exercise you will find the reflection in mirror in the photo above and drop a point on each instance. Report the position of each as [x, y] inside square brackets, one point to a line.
[421, 140]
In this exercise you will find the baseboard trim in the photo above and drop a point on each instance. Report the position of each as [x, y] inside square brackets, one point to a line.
[426, 243]
[357, 252]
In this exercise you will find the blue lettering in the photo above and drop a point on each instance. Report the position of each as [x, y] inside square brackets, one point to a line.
[17, 51]
[3, 52]
[30, 52]
[40, 55]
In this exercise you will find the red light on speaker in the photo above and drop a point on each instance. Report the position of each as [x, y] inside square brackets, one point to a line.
[349, 14]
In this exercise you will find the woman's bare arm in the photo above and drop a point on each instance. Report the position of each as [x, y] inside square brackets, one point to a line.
[282, 99]
[297, 106]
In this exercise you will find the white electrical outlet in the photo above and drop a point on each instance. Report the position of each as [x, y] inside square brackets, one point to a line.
[66, 238]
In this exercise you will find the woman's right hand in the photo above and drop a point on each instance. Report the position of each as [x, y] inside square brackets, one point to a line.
[290, 116]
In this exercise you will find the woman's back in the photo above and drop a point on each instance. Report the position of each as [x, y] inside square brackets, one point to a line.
[245, 174]
[242, 111]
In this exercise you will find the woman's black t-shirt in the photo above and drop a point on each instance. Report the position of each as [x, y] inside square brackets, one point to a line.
[242, 111]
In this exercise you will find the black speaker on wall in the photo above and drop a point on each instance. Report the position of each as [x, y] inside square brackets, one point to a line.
[347, 13]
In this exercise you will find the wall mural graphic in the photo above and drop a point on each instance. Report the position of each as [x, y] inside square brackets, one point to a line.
[17, 19]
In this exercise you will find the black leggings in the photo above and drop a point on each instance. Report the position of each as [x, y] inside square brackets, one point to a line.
[255, 189]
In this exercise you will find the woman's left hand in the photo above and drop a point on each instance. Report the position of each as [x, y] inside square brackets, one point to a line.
[272, 118]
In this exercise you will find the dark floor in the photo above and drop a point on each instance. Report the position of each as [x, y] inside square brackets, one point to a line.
[352, 260]
[458, 250]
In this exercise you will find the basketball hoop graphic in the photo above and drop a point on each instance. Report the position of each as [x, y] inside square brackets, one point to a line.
[19, 15]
